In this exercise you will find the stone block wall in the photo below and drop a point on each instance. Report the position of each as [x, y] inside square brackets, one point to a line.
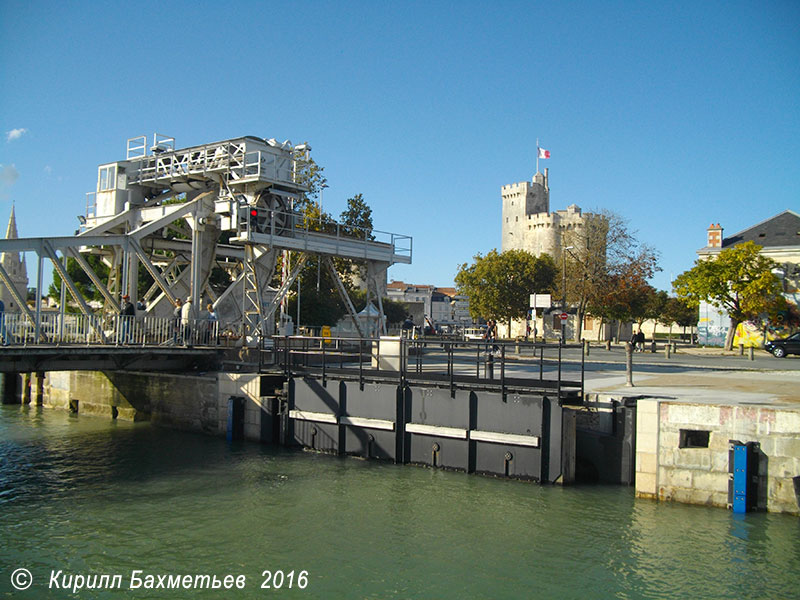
[188, 402]
[676, 461]
[179, 401]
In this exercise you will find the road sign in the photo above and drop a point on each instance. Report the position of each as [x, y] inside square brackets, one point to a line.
[540, 301]
[564, 316]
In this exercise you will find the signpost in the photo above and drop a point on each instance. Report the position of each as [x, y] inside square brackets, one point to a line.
[541, 301]
[538, 301]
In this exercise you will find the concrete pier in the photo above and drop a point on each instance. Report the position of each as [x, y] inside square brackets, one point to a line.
[186, 402]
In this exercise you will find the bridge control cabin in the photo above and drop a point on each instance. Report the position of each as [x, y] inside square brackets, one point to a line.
[242, 171]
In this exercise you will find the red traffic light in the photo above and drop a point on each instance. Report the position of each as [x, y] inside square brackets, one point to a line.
[253, 212]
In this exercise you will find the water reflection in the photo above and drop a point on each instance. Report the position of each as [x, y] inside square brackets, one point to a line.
[94, 495]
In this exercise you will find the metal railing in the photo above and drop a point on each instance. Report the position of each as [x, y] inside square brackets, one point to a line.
[294, 224]
[232, 158]
[116, 330]
[455, 364]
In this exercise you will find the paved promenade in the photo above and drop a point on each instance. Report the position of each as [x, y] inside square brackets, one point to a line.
[691, 374]
[695, 375]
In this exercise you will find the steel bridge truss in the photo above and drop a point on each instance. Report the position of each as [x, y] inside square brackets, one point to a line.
[236, 215]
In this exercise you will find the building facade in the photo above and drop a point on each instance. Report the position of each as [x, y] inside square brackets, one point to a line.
[443, 306]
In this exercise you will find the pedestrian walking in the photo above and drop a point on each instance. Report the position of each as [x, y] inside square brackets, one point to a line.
[126, 315]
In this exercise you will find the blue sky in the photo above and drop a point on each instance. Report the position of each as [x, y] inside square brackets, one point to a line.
[674, 115]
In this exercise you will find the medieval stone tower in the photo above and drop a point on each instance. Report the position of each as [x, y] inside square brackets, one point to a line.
[16, 269]
[528, 223]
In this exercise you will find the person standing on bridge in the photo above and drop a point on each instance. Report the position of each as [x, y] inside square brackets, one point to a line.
[211, 333]
[176, 315]
[187, 314]
[126, 316]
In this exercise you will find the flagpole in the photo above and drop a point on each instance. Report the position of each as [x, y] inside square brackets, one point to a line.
[537, 154]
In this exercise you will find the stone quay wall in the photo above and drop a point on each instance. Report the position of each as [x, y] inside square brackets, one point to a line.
[187, 402]
[676, 460]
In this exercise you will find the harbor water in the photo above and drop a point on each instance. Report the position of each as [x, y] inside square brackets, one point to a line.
[86, 496]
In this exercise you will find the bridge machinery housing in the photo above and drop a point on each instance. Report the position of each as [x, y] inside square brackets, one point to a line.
[224, 209]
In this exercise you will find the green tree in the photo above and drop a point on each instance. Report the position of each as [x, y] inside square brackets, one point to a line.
[499, 285]
[357, 219]
[677, 311]
[739, 280]
[308, 173]
[320, 302]
[653, 307]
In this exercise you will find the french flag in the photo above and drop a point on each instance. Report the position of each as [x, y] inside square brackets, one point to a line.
[544, 153]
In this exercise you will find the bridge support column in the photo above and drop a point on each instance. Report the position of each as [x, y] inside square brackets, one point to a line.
[9, 392]
[26, 388]
[39, 388]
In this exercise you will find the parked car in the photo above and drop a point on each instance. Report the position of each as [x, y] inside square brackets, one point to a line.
[780, 348]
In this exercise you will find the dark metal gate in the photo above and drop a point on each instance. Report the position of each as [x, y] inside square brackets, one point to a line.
[447, 420]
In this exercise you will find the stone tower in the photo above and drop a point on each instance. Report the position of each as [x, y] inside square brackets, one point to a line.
[528, 223]
[16, 270]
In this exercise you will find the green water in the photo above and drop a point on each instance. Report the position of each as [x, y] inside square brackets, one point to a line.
[90, 496]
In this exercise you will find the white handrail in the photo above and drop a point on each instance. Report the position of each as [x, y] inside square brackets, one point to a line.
[119, 330]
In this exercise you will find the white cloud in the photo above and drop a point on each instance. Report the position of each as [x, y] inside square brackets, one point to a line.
[15, 134]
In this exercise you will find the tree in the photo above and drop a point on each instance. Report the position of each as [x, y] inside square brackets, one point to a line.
[739, 280]
[355, 222]
[598, 256]
[308, 173]
[499, 285]
[677, 311]
[320, 302]
[357, 219]
[654, 305]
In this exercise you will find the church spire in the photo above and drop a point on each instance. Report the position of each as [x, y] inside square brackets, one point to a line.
[11, 230]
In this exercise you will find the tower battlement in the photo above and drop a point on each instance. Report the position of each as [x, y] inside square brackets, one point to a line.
[528, 223]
